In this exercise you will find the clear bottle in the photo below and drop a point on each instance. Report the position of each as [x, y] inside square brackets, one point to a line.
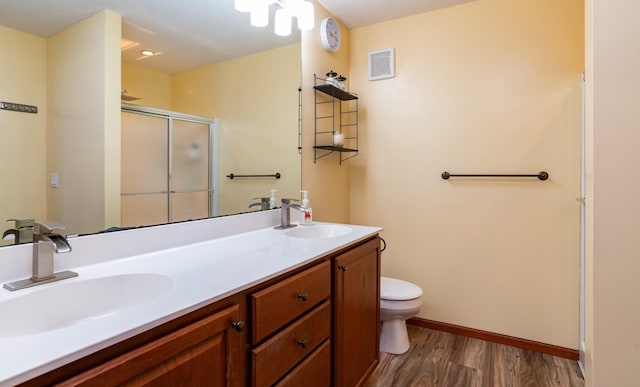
[306, 209]
[331, 78]
[272, 200]
[340, 82]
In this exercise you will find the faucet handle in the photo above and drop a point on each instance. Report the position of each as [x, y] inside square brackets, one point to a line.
[287, 201]
[47, 227]
[263, 200]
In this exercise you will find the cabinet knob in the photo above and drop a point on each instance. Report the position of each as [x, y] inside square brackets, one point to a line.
[303, 296]
[342, 267]
[238, 325]
[302, 343]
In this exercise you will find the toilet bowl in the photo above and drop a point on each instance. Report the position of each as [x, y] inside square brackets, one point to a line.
[399, 301]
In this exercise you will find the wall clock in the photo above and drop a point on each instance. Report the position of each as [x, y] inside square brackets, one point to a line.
[330, 34]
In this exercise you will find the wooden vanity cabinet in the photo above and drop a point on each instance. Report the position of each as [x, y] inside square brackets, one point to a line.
[294, 315]
[204, 353]
[317, 325]
[356, 303]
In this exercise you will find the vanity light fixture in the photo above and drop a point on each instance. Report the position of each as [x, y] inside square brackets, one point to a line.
[288, 9]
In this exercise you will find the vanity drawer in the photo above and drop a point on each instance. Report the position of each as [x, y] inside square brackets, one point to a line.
[279, 354]
[315, 370]
[281, 303]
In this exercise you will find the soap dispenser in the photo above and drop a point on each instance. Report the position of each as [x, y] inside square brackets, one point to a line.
[306, 208]
[272, 200]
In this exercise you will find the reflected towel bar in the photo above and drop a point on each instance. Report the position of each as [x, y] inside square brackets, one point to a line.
[541, 175]
[233, 176]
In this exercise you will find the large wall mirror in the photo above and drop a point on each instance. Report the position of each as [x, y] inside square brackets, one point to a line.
[64, 163]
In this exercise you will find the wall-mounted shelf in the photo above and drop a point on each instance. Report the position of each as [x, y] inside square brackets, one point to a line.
[336, 112]
[335, 148]
[335, 92]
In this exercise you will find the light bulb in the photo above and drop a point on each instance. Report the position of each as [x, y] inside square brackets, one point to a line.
[260, 14]
[243, 5]
[294, 7]
[283, 22]
[306, 16]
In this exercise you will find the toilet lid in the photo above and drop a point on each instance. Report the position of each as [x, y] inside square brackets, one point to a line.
[397, 290]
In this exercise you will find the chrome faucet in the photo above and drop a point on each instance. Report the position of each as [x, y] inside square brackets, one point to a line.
[264, 204]
[45, 244]
[22, 232]
[285, 213]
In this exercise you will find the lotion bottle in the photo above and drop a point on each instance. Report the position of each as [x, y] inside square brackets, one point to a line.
[306, 208]
[272, 200]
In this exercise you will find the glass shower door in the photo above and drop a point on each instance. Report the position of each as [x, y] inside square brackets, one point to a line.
[166, 167]
[189, 170]
[145, 164]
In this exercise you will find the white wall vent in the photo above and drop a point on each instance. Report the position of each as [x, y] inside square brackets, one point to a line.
[381, 64]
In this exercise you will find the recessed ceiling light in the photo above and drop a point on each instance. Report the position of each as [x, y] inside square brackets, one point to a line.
[147, 52]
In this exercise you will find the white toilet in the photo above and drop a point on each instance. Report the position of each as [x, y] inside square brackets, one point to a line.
[399, 301]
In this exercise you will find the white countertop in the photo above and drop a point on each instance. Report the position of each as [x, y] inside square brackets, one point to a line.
[202, 273]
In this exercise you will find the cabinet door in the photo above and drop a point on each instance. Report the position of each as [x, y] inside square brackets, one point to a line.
[357, 314]
[205, 353]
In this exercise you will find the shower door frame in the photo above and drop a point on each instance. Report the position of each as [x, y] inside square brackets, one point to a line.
[169, 115]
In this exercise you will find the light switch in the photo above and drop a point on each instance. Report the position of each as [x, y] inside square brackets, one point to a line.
[54, 180]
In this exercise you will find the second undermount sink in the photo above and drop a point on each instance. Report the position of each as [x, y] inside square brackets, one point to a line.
[319, 231]
[64, 304]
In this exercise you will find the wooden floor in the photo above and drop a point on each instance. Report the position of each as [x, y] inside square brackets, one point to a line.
[443, 359]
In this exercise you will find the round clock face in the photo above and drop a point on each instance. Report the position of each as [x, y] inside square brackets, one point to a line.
[330, 34]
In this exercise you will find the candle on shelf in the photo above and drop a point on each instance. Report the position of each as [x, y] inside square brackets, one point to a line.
[338, 139]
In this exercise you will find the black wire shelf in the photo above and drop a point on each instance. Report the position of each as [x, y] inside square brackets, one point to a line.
[335, 92]
[334, 148]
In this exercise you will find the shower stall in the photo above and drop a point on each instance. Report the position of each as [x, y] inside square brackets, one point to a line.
[167, 172]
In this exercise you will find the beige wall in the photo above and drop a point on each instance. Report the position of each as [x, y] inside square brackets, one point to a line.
[151, 86]
[23, 75]
[255, 98]
[485, 87]
[613, 267]
[326, 180]
[84, 123]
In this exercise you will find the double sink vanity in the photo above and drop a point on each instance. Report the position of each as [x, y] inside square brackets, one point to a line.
[223, 301]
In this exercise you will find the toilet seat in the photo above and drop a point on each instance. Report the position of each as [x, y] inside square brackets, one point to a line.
[408, 306]
[393, 289]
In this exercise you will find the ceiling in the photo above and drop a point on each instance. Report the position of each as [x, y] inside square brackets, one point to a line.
[359, 13]
[194, 32]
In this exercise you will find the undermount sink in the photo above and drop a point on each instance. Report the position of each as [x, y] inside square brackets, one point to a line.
[64, 304]
[319, 231]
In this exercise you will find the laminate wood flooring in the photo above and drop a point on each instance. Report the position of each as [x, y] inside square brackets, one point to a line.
[441, 359]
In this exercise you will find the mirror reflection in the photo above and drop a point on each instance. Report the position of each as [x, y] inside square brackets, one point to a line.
[82, 162]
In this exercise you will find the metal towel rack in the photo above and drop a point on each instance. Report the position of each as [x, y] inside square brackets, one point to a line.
[233, 176]
[540, 175]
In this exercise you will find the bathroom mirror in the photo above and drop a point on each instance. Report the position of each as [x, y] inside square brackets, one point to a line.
[256, 130]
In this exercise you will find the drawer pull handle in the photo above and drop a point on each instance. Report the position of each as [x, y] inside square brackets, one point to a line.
[302, 343]
[238, 325]
[342, 267]
[303, 296]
